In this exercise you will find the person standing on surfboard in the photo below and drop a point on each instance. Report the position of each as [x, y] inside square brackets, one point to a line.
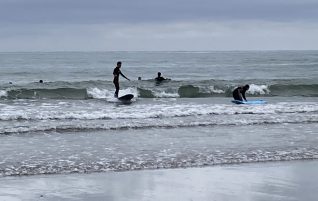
[116, 74]
[239, 93]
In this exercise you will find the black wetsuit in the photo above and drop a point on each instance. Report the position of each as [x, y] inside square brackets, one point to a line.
[116, 74]
[239, 94]
[159, 79]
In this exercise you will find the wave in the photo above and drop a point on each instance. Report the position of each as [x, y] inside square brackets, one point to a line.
[3, 93]
[149, 89]
[309, 90]
[171, 117]
[98, 111]
[136, 125]
[156, 161]
[58, 93]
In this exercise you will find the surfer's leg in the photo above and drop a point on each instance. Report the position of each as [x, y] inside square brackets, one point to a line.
[236, 96]
[117, 89]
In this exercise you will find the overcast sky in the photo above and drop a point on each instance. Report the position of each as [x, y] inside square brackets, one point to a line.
[88, 25]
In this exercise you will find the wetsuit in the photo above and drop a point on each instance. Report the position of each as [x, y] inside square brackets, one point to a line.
[159, 79]
[239, 94]
[116, 74]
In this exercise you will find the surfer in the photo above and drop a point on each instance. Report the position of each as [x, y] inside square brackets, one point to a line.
[159, 78]
[116, 74]
[239, 93]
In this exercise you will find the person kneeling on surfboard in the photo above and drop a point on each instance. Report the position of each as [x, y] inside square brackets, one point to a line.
[116, 74]
[239, 93]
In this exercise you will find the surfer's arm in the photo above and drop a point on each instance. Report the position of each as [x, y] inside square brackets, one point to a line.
[124, 76]
[243, 95]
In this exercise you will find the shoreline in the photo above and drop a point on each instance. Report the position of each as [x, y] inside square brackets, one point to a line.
[225, 165]
[287, 180]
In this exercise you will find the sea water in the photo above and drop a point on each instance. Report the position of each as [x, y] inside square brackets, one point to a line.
[71, 123]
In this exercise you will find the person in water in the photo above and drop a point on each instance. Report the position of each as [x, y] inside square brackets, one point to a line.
[239, 93]
[116, 74]
[159, 78]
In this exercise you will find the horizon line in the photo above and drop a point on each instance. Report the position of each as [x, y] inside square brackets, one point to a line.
[242, 50]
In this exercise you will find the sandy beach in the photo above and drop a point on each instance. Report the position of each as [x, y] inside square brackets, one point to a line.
[293, 180]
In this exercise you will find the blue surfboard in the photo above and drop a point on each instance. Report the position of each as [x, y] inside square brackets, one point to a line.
[250, 102]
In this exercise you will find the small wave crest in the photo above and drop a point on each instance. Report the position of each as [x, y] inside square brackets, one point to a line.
[81, 126]
[3, 93]
[64, 93]
[98, 93]
[85, 116]
[164, 94]
[308, 90]
[215, 90]
[98, 110]
[148, 89]
[47, 93]
[161, 160]
[258, 89]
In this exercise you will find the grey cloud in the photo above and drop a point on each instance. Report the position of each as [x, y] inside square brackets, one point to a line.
[144, 11]
[239, 35]
[52, 25]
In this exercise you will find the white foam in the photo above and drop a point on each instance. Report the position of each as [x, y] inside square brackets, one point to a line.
[3, 93]
[164, 94]
[98, 93]
[214, 90]
[98, 110]
[177, 121]
[258, 89]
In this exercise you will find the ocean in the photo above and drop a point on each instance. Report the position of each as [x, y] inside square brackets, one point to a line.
[71, 123]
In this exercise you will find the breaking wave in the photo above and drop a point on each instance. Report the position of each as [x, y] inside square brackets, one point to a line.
[149, 89]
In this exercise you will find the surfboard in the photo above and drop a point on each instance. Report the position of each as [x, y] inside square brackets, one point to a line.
[126, 97]
[250, 102]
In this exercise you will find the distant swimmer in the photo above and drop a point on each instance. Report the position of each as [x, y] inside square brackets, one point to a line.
[159, 78]
[40, 81]
[116, 74]
[239, 93]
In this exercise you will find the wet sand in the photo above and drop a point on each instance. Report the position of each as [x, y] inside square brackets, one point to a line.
[293, 180]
